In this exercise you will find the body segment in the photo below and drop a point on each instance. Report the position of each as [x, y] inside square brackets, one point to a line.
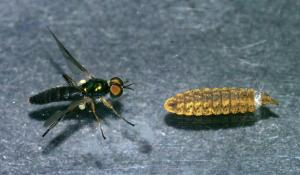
[64, 93]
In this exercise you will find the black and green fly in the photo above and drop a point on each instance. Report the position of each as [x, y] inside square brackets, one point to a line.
[87, 92]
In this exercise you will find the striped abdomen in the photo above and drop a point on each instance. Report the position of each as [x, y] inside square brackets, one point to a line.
[65, 93]
[212, 101]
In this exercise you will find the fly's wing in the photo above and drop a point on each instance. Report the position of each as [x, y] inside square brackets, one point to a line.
[69, 80]
[60, 114]
[52, 121]
[54, 118]
[70, 59]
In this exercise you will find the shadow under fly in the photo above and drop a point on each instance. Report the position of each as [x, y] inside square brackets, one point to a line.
[81, 121]
[62, 137]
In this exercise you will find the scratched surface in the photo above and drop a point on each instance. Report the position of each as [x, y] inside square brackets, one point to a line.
[164, 47]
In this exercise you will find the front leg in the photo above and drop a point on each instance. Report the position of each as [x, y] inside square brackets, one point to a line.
[93, 108]
[110, 106]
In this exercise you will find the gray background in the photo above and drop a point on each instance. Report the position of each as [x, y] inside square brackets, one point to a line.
[165, 47]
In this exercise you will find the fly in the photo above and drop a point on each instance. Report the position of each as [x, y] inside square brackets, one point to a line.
[84, 94]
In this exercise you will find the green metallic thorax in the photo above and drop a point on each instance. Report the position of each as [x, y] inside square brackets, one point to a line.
[95, 87]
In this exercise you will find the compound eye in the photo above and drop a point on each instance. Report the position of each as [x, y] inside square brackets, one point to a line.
[116, 80]
[115, 90]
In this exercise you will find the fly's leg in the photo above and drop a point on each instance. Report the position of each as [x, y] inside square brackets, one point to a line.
[110, 106]
[92, 104]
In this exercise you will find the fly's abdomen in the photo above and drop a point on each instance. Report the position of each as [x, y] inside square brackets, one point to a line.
[212, 101]
[64, 93]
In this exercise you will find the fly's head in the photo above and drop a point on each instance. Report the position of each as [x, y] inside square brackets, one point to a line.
[116, 86]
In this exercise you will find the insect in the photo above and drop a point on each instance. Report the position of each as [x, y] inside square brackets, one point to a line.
[87, 92]
[217, 101]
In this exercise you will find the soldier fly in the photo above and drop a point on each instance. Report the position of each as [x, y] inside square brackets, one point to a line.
[87, 92]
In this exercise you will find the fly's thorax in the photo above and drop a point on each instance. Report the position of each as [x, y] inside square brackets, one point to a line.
[95, 87]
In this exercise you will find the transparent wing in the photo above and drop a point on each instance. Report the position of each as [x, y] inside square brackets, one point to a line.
[70, 59]
[69, 80]
[54, 118]
[60, 114]
[52, 121]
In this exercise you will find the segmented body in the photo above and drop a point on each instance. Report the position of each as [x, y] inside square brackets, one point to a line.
[64, 93]
[212, 101]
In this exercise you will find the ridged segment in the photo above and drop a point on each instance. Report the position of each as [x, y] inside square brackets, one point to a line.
[212, 101]
[63, 93]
